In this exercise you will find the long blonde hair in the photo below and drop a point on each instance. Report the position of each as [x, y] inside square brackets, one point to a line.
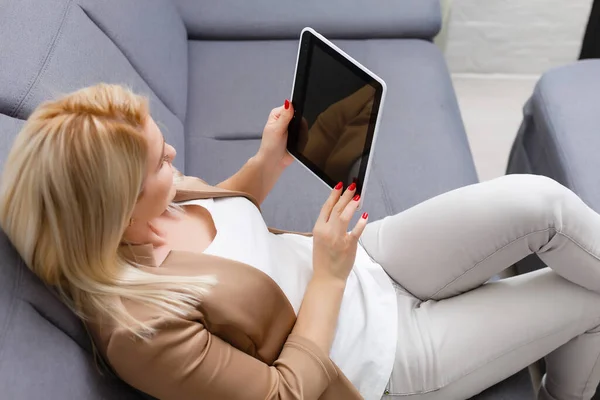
[68, 189]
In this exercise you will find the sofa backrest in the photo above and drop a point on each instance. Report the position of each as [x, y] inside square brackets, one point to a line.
[48, 48]
[336, 19]
[44, 350]
[51, 47]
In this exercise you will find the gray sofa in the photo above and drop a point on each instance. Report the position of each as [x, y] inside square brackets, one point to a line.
[560, 135]
[212, 71]
[560, 138]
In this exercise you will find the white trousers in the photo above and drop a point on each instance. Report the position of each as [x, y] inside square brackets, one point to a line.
[458, 334]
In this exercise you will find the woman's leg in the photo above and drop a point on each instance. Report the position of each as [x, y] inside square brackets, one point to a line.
[455, 348]
[455, 242]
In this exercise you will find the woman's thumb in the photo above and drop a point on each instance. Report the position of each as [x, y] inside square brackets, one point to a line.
[287, 112]
[282, 115]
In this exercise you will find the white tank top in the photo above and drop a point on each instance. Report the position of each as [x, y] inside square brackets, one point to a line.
[364, 346]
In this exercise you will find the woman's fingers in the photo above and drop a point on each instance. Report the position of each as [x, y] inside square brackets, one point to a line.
[286, 112]
[360, 226]
[330, 203]
[340, 207]
[348, 212]
[344, 200]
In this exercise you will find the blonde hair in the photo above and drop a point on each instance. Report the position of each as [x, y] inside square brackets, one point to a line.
[68, 189]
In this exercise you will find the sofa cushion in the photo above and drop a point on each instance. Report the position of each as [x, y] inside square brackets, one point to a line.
[421, 151]
[517, 387]
[44, 349]
[350, 19]
[9, 127]
[155, 45]
[53, 47]
[560, 134]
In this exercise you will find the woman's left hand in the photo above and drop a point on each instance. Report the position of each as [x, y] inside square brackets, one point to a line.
[274, 138]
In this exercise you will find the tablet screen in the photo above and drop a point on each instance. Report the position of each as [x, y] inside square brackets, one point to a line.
[336, 105]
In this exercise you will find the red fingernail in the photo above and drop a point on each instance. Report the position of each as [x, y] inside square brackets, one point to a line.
[352, 186]
[339, 186]
[357, 197]
[286, 104]
[365, 215]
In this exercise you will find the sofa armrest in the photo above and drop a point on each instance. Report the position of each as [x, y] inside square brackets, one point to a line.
[560, 135]
[337, 19]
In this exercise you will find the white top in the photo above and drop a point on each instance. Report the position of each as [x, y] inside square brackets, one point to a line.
[364, 346]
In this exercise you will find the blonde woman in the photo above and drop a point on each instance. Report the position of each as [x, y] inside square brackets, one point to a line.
[188, 295]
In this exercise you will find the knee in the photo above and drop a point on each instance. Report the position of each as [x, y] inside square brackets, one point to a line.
[538, 195]
[538, 185]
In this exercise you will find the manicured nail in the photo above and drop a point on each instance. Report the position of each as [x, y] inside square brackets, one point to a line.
[286, 104]
[357, 197]
[365, 215]
[339, 186]
[352, 186]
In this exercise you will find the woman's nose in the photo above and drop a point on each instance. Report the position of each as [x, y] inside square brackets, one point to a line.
[172, 152]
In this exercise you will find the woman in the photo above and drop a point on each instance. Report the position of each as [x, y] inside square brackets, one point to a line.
[187, 294]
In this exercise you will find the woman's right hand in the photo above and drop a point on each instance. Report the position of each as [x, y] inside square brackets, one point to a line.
[334, 248]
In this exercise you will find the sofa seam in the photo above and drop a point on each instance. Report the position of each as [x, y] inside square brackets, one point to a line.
[38, 311]
[46, 61]
[104, 31]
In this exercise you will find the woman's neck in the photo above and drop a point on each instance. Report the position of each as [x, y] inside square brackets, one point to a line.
[140, 233]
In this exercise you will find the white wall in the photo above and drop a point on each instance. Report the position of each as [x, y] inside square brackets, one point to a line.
[514, 36]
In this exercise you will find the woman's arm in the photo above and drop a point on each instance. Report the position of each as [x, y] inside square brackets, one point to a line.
[334, 252]
[319, 313]
[258, 176]
[183, 361]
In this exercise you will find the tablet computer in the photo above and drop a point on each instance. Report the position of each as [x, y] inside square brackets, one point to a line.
[337, 108]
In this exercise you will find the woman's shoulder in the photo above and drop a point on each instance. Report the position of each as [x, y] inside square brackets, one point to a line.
[191, 188]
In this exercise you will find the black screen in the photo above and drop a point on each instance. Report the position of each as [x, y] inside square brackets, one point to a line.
[336, 106]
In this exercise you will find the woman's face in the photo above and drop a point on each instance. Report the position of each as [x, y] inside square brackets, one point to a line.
[158, 188]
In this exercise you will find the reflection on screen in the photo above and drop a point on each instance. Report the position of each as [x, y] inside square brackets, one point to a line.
[336, 116]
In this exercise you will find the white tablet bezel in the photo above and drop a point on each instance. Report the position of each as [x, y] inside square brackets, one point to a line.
[377, 120]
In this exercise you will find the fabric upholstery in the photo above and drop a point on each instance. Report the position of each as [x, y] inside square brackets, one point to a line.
[75, 53]
[351, 19]
[516, 387]
[155, 45]
[560, 135]
[51, 47]
[421, 151]
[9, 127]
[44, 350]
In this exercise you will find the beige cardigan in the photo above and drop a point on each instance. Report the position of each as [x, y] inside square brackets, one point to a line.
[236, 345]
